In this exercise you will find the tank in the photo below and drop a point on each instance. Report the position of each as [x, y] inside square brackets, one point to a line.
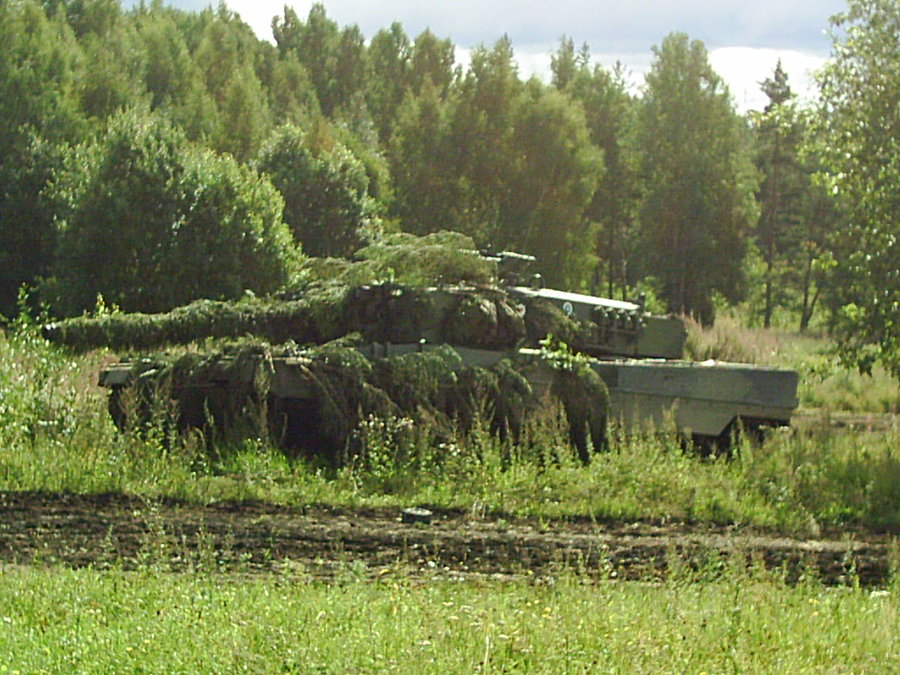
[636, 355]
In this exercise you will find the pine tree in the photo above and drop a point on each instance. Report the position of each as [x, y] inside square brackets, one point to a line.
[782, 189]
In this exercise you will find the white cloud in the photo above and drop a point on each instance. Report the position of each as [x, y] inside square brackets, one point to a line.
[607, 25]
[743, 68]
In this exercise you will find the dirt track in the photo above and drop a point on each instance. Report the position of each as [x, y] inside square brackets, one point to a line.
[79, 530]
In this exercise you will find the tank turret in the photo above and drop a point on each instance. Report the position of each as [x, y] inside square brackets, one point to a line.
[615, 327]
[612, 327]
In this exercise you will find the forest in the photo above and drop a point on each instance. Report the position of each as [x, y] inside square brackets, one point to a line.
[181, 199]
[152, 156]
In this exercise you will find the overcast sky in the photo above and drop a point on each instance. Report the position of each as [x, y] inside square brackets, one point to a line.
[745, 38]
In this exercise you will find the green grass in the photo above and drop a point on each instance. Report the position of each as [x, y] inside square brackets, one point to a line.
[60, 620]
[55, 435]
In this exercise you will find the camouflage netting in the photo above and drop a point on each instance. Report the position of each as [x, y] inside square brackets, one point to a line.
[466, 316]
[434, 259]
[585, 399]
[433, 290]
[402, 289]
[334, 389]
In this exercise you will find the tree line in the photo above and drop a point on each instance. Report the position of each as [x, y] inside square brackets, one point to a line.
[154, 156]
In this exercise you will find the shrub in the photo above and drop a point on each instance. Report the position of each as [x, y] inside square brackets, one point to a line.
[152, 222]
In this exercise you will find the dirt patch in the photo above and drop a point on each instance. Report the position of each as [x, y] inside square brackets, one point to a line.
[323, 542]
[812, 419]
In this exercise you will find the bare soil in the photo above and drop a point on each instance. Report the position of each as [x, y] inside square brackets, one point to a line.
[325, 542]
[809, 419]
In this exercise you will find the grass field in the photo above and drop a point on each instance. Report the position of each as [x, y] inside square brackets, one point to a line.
[60, 620]
[55, 436]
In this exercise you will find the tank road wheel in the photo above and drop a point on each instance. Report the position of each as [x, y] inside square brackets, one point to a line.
[295, 426]
[116, 408]
[129, 407]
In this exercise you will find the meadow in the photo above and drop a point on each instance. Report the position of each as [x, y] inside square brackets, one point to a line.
[90, 621]
[819, 477]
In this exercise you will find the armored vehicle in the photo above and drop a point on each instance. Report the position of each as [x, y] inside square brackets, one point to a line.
[636, 355]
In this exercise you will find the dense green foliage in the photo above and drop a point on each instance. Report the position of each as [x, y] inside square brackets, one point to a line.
[608, 109]
[609, 188]
[39, 67]
[151, 221]
[860, 151]
[697, 204]
[325, 189]
[797, 219]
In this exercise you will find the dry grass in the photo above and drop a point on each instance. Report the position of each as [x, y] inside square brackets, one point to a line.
[824, 384]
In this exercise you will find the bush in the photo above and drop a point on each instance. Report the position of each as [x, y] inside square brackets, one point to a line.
[152, 222]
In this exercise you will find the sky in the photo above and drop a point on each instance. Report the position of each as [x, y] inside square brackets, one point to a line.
[744, 38]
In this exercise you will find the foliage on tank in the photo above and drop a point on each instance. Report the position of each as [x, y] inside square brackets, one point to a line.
[472, 317]
[403, 289]
[343, 390]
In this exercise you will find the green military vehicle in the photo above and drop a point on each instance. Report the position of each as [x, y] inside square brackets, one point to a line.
[637, 355]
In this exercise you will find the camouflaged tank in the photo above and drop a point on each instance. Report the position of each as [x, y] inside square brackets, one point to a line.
[632, 371]
[640, 359]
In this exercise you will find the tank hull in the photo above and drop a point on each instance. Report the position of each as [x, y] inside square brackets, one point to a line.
[701, 398]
